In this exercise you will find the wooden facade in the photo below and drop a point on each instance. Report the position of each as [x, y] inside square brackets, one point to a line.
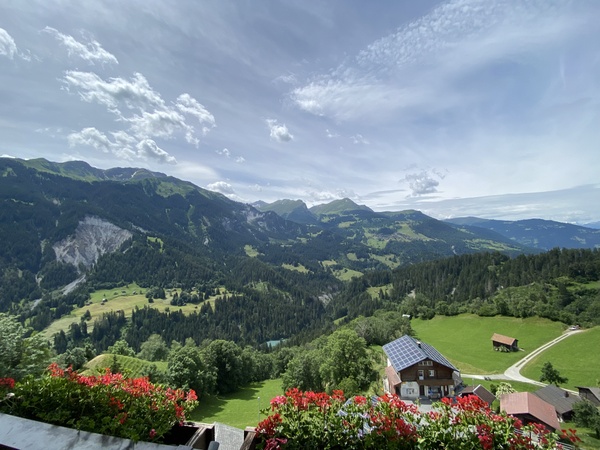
[425, 379]
[504, 343]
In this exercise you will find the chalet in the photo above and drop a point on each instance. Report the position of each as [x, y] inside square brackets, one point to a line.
[530, 409]
[416, 369]
[479, 391]
[562, 400]
[590, 393]
[504, 343]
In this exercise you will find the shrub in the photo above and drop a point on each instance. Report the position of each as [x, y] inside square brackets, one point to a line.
[107, 404]
[301, 420]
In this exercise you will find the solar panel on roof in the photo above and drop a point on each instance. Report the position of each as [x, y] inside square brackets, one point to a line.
[406, 351]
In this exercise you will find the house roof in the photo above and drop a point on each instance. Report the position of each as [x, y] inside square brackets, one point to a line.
[407, 351]
[480, 392]
[562, 400]
[503, 339]
[392, 376]
[593, 390]
[527, 403]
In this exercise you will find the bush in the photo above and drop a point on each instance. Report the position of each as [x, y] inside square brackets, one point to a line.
[302, 420]
[107, 404]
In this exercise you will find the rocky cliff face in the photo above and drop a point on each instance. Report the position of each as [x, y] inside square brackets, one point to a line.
[93, 238]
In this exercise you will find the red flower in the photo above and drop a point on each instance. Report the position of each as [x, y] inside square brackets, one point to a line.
[269, 425]
[360, 400]
[152, 433]
[8, 382]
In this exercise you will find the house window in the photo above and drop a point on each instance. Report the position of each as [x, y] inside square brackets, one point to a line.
[432, 374]
[426, 363]
[421, 374]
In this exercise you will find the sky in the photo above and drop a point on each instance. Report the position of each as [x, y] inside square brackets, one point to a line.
[486, 108]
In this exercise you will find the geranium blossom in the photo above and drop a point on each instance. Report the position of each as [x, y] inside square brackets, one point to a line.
[302, 420]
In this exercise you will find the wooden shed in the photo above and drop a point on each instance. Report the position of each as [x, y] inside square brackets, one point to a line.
[505, 343]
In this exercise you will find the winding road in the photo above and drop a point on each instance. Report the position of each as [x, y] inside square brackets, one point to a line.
[514, 372]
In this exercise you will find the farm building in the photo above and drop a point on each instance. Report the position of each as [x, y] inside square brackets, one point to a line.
[530, 409]
[590, 393]
[479, 391]
[562, 400]
[416, 369]
[504, 343]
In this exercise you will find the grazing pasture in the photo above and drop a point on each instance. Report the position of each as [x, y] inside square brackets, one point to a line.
[576, 358]
[466, 339]
[239, 409]
[126, 299]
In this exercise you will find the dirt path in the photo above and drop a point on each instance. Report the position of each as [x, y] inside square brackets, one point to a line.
[514, 372]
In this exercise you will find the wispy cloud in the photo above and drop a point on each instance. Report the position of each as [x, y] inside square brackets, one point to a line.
[359, 139]
[91, 52]
[410, 69]
[9, 48]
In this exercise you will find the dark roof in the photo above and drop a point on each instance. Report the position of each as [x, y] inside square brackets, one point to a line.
[562, 400]
[480, 392]
[521, 403]
[593, 390]
[503, 339]
[407, 351]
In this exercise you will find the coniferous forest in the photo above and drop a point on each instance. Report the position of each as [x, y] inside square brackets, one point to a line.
[253, 276]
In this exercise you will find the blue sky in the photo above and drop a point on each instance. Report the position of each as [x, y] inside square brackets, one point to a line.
[468, 107]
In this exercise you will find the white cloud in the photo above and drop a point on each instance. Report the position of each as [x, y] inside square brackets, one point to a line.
[7, 44]
[92, 137]
[225, 152]
[155, 119]
[331, 134]
[9, 48]
[240, 159]
[134, 94]
[7, 156]
[359, 139]
[421, 183]
[189, 105]
[222, 187]
[279, 133]
[410, 70]
[160, 123]
[123, 145]
[148, 148]
[90, 52]
[289, 78]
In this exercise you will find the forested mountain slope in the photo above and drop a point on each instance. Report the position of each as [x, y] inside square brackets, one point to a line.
[107, 228]
[537, 233]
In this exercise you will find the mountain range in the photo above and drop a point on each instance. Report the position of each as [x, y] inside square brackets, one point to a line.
[60, 221]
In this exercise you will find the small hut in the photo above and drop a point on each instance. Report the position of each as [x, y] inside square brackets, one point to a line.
[505, 343]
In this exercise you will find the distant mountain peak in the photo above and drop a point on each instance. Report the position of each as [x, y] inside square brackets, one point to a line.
[338, 206]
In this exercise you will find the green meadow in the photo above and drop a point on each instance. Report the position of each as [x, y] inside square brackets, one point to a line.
[466, 339]
[240, 409]
[132, 367]
[576, 358]
[125, 298]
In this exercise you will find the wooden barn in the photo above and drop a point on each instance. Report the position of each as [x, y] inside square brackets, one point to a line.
[505, 343]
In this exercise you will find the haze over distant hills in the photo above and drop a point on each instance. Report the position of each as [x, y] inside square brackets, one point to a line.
[538, 233]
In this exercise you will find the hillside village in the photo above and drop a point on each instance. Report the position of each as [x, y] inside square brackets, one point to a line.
[201, 294]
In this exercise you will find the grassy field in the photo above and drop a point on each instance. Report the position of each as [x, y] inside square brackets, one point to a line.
[576, 358]
[124, 298]
[132, 367]
[239, 409]
[587, 436]
[466, 339]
